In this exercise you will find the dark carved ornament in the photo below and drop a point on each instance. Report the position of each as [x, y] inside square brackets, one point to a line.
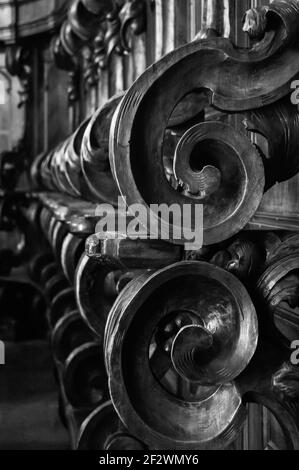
[255, 22]
[242, 258]
[12, 164]
[18, 64]
[70, 64]
[95, 30]
[127, 18]
[89, 67]
[285, 382]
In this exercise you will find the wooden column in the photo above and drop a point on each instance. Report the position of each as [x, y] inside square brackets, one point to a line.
[215, 19]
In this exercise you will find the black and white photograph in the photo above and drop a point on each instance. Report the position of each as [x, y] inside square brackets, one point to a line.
[149, 229]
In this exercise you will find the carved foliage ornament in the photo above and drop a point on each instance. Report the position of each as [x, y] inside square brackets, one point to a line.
[102, 28]
[242, 258]
[127, 18]
[12, 164]
[268, 69]
[285, 381]
[133, 20]
[18, 64]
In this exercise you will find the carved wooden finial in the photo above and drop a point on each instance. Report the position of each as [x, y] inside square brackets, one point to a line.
[285, 382]
[242, 258]
[255, 22]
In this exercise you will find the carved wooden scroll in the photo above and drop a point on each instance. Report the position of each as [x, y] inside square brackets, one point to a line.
[209, 163]
[95, 153]
[80, 166]
[205, 338]
[103, 430]
[141, 119]
[199, 353]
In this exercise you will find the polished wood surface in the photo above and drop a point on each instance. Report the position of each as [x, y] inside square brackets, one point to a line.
[176, 101]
